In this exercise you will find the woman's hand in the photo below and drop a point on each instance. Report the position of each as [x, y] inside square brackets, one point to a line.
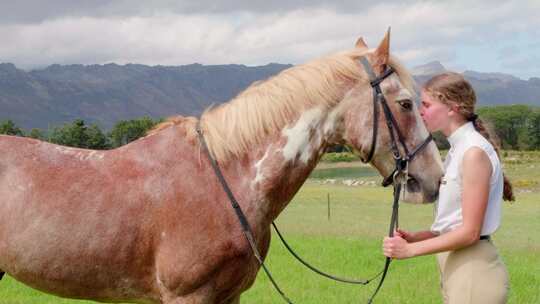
[397, 247]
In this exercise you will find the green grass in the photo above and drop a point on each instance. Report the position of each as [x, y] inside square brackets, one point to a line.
[349, 245]
[354, 172]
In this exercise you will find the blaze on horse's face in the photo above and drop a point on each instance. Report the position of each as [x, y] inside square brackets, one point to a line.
[426, 169]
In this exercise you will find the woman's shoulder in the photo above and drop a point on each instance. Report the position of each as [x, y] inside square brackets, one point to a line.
[476, 139]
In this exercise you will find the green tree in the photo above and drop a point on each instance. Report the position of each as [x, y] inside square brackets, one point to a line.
[71, 134]
[8, 127]
[127, 131]
[96, 138]
[77, 134]
[534, 129]
[509, 123]
[36, 133]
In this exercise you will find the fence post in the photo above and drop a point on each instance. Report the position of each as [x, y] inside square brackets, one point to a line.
[328, 200]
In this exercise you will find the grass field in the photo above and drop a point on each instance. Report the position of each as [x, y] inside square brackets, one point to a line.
[349, 243]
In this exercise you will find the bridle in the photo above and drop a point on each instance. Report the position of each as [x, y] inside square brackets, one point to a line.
[398, 177]
[393, 128]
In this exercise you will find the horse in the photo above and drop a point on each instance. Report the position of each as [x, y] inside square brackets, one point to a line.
[149, 222]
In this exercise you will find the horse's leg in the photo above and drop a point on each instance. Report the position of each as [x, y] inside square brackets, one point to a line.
[1, 274]
[235, 300]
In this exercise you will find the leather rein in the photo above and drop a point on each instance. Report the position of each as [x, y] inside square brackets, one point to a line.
[398, 178]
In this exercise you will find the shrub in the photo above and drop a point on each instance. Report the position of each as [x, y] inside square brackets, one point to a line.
[335, 157]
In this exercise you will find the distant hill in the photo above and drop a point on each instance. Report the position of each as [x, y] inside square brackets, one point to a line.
[105, 94]
[491, 88]
[428, 69]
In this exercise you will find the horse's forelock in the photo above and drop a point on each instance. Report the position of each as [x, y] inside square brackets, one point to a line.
[405, 76]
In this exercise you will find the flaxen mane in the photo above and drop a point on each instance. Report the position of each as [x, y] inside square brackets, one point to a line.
[266, 106]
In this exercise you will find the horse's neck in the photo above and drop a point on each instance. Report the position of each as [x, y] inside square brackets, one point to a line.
[277, 168]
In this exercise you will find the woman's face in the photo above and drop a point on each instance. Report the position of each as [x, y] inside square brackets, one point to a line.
[433, 112]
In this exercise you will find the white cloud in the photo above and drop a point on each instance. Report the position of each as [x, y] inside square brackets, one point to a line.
[257, 32]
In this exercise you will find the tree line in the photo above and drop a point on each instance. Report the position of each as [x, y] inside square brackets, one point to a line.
[517, 126]
[79, 134]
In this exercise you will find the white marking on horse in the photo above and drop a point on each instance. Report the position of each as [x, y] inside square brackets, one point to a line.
[329, 126]
[65, 150]
[81, 155]
[298, 136]
[259, 169]
[333, 123]
[420, 131]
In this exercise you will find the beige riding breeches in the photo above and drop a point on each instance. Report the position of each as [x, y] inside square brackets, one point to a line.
[473, 275]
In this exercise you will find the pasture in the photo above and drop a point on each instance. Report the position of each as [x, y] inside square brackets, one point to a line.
[348, 243]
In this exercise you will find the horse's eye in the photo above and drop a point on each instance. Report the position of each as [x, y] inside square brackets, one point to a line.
[405, 104]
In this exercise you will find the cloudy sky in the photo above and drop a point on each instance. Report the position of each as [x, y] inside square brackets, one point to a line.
[486, 36]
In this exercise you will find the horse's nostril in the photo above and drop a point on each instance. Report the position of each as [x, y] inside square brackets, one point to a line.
[413, 185]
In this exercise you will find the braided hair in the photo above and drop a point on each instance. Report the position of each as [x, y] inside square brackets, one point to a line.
[453, 89]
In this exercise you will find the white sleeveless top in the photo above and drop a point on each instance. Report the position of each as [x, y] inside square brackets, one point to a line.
[448, 207]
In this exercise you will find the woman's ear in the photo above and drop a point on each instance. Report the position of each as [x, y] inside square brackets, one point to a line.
[453, 109]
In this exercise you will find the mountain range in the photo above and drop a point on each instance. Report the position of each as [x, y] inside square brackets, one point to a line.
[105, 94]
[490, 88]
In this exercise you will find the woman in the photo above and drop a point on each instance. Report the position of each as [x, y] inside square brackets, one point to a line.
[469, 207]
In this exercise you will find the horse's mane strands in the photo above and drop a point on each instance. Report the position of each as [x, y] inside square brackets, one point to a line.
[232, 128]
[169, 122]
[264, 107]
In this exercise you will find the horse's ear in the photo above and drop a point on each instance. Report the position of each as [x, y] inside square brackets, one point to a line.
[360, 44]
[382, 53]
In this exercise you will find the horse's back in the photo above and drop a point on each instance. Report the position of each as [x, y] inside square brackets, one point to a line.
[89, 224]
[63, 222]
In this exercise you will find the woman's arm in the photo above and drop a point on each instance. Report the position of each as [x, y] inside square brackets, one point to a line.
[416, 236]
[476, 175]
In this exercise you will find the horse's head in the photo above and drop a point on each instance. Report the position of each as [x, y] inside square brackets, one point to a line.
[425, 167]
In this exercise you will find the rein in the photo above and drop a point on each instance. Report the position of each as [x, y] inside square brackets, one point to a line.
[398, 178]
[400, 174]
[246, 229]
